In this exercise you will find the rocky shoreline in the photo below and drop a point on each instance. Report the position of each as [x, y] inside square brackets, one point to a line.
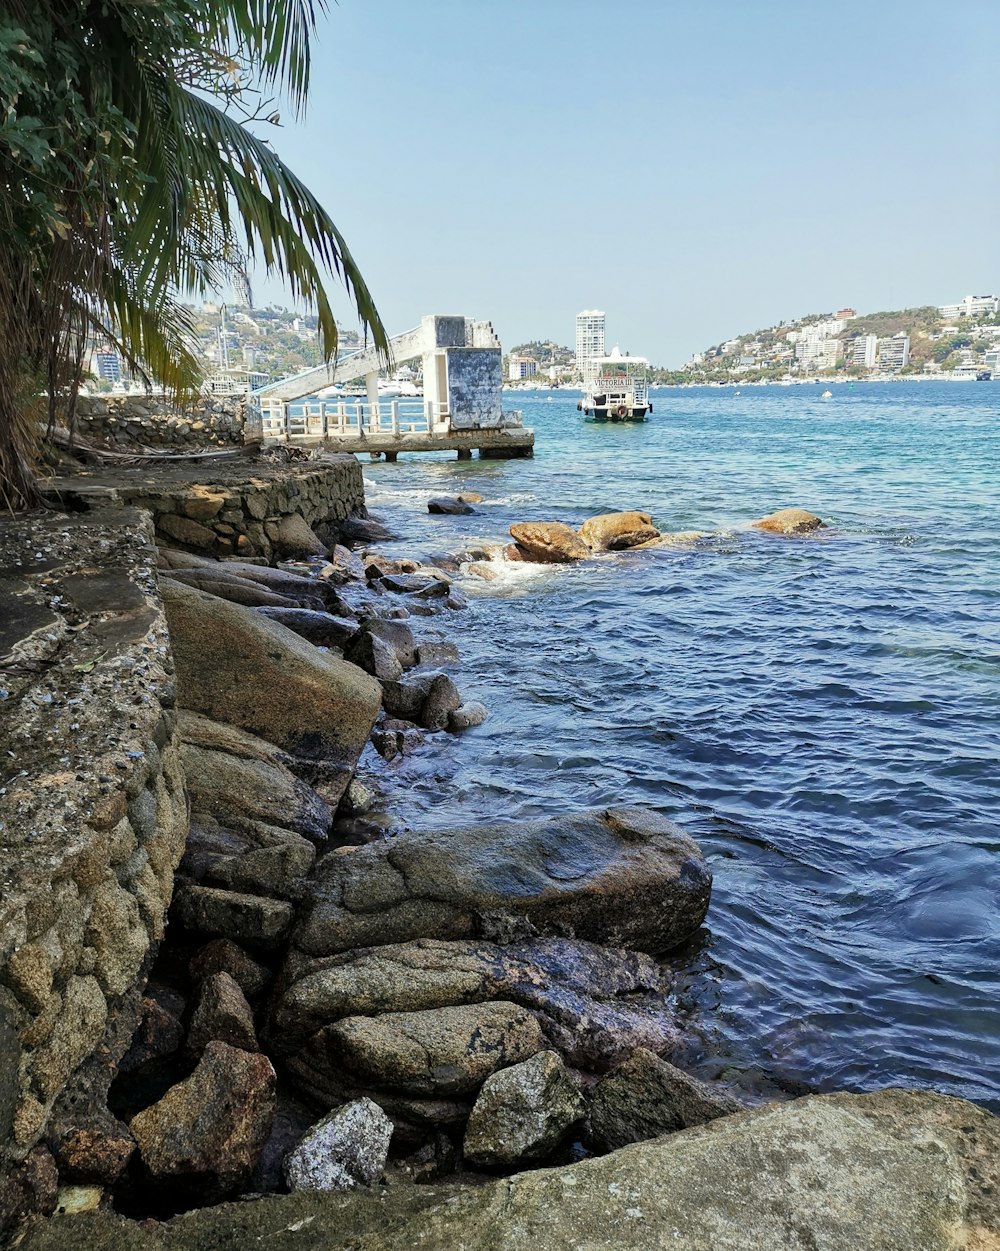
[337, 1011]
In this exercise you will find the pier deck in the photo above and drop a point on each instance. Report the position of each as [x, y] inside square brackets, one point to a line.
[390, 427]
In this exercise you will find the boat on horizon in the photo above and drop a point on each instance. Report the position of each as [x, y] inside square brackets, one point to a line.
[616, 388]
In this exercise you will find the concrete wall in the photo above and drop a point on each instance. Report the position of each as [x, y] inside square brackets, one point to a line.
[93, 812]
[151, 420]
[228, 508]
[475, 383]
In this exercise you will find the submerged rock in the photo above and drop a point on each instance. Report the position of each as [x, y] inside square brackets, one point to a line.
[790, 521]
[615, 531]
[548, 542]
[447, 504]
[523, 1112]
[348, 1148]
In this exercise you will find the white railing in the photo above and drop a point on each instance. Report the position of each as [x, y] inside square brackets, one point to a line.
[350, 419]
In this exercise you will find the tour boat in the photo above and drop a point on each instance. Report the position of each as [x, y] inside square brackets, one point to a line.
[615, 388]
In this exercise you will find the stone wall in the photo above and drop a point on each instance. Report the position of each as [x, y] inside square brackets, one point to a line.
[226, 508]
[153, 421]
[93, 811]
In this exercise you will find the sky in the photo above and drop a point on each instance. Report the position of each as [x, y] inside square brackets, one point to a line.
[695, 168]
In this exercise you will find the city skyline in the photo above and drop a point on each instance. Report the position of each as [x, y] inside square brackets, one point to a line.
[752, 163]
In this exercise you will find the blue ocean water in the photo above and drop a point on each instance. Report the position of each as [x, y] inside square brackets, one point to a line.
[821, 714]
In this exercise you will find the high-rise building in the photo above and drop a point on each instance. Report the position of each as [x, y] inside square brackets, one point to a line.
[589, 337]
[863, 351]
[108, 365]
[519, 367]
[894, 352]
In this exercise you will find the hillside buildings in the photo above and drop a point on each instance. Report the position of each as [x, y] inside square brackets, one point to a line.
[589, 337]
[971, 306]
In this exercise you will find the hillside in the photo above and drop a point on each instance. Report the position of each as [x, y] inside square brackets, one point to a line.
[831, 344]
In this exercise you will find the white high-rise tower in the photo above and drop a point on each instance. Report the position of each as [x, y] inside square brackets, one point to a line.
[589, 337]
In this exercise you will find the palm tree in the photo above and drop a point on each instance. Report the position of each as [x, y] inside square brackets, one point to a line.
[132, 177]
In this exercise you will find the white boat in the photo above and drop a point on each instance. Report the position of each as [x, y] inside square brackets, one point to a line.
[615, 388]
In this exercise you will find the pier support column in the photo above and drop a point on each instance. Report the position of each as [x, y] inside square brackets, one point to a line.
[391, 457]
[465, 453]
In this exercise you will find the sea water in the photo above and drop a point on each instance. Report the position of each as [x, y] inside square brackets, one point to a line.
[822, 713]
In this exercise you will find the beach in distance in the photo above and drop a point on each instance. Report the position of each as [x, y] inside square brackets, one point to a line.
[819, 712]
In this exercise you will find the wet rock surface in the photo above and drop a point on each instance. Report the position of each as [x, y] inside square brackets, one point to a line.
[548, 542]
[645, 1096]
[790, 521]
[621, 876]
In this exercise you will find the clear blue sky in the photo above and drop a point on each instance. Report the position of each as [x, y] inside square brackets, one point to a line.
[696, 168]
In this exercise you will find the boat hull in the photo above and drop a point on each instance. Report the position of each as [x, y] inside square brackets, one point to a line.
[615, 415]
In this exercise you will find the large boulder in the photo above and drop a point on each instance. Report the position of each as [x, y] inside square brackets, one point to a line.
[447, 1052]
[646, 1096]
[621, 876]
[220, 1014]
[207, 1132]
[548, 542]
[594, 1004]
[896, 1170]
[790, 521]
[235, 666]
[615, 531]
[522, 1112]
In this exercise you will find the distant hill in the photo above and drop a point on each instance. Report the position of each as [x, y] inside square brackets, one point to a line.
[821, 345]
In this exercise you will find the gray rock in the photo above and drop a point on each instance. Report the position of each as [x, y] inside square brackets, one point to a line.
[375, 656]
[436, 653]
[278, 872]
[892, 1171]
[348, 1148]
[447, 1052]
[396, 737]
[449, 504]
[405, 698]
[221, 1014]
[467, 715]
[523, 1112]
[249, 919]
[222, 955]
[620, 876]
[305, 701]
[645, 1097]
[594, 1004]
[236, 790]
[418, 584]
[441, 701]
[318, 628]
[396, 634]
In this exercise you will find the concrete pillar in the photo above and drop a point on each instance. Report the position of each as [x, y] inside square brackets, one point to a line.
[394, 409]
[391, 457]
[371, 388]
[465, 453]
[341, 417]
